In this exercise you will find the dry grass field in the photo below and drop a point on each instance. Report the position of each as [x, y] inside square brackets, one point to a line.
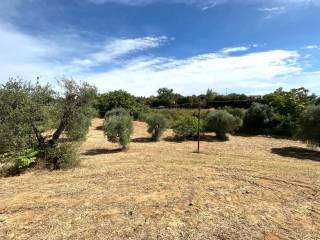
[246, 188]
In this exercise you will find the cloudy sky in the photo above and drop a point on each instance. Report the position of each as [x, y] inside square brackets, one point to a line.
[244, 46]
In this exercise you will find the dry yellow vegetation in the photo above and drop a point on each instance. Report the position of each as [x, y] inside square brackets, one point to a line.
[246, 188]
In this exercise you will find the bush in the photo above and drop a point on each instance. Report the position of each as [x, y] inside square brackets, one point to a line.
[222, 122]
[186, 128]
[309, 125]
[157, 125]
[236, 112]
[117, 112]
[257, 118]
[15, 163]
[62, 156]
[118, 127]
[174, 115]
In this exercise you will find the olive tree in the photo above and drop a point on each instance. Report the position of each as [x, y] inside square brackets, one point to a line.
[118, 127]
[29, 111]
[222, 122]
[157, 125]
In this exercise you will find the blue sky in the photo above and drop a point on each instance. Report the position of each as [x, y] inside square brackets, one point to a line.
[244, 46]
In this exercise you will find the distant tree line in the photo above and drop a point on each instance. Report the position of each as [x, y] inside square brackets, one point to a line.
[276, 113]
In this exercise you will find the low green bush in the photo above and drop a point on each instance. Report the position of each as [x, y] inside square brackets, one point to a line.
[157, 125]
[13, 163]
[62, 156]
[221, 122]
[186, 128]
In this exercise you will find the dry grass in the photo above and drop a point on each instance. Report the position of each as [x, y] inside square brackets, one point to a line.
[246, 188]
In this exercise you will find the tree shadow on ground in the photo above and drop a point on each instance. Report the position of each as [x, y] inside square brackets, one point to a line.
[297, 152]
[212, 138]
[173, 139]
[141, 140]
[101, 151]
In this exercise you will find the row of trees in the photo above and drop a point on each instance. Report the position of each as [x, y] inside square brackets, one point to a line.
[256, 120]
[283, 108]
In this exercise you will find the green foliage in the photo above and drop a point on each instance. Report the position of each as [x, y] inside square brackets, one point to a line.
[287, 108]
[62, 156]
[117, 112]
[257, 118]
[27, 158]
[157, 125]
[76, 109]
[78, 128]
[236, 112]
[173, 115]
[118, 127]
[186, 128]
[28, 111]
[309, 125]
[121, 99]
[21, 104]
[14, 163]
[221, 122]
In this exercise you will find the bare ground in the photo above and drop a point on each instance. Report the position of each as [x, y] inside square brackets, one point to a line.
[246, 188]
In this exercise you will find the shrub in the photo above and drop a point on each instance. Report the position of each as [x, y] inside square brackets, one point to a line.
[118, 127]
[222, 122]
[236, 112]
[117, 112]
[157, 125]
[309, 125]
[186, 128]
[62, 156]
[257, 118]
[174, 115]
[14, 163]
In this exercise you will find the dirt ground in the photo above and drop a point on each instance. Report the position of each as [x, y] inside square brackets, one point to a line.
[246, 188]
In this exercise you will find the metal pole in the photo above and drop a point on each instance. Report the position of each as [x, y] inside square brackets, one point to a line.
[199, 111]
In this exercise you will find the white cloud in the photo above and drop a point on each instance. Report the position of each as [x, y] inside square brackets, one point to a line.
[310, 47]
[253, 71]
[118, 48]
[273, 9]
[234, 49]
[23, 55]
